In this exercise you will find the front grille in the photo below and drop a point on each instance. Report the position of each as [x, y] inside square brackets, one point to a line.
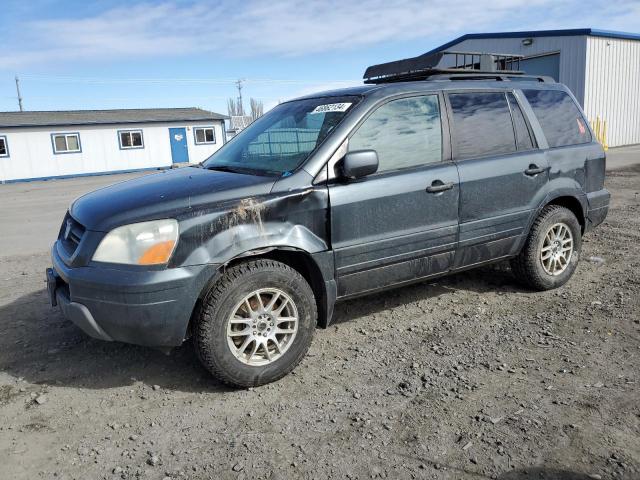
[71, 234]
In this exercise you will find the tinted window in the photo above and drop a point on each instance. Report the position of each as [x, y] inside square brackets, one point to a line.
[523, 136]
[481, 124]
[559, 117]
[404, 133]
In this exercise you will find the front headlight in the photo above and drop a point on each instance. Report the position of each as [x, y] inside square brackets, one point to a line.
[146, 243]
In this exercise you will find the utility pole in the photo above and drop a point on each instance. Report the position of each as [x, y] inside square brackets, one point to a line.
[18, 90]
[240, 106]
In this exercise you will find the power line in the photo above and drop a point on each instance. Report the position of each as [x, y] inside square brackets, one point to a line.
[141, 80]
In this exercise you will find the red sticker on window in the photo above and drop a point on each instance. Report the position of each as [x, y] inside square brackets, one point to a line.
[580, 126]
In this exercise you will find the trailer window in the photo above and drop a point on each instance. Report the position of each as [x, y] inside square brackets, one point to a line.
[66, 142]
[559, 117]
[130, 139]
[204, 135]
[4, 149]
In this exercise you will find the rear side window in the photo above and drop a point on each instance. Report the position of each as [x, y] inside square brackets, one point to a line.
[405, 133]
[559, 117]
[523, 135]
[481, 124]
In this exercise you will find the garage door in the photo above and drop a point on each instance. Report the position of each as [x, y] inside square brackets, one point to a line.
[542, 65]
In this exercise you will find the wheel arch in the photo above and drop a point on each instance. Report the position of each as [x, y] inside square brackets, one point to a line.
[574, 200]
[317, 270]
[572, 203]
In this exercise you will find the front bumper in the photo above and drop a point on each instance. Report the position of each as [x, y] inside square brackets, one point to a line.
[149, 307]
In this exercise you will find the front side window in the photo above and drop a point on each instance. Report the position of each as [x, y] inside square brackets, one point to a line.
[66, 142]
[131, 139]
[481, 125]
[559, 117]
[405, 133]
[281, 140]
[4, 148]
[204, 135]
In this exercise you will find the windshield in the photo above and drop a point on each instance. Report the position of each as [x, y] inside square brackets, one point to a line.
[281, 140]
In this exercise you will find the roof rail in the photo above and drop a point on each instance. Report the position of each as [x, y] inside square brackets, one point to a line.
[500, 77]
[470, 64]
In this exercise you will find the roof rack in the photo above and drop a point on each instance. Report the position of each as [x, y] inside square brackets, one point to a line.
[458, 65]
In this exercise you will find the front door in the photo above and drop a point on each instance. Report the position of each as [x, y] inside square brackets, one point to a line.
[399, 224]
[502, 173]
[179, 150]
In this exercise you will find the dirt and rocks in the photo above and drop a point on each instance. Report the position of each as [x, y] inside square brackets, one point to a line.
[468, 377]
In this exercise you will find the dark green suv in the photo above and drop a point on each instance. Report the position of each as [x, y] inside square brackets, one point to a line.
[420, 173]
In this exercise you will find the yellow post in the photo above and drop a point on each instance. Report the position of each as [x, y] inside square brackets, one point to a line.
[599, 127]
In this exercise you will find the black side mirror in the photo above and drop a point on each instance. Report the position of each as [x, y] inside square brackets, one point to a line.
[360, 163]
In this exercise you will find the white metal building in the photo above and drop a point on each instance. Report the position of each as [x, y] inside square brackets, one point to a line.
[602, 69]
[41, 145]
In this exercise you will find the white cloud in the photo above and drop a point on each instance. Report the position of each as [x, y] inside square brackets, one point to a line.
[284, 28]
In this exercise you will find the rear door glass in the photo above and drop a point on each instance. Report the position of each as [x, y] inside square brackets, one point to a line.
[481, 124]
[523, 135]
[559, 117]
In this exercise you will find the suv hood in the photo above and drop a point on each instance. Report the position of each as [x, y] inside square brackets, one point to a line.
[163, 195]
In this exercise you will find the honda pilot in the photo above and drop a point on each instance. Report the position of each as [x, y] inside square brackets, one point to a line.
[420, 172]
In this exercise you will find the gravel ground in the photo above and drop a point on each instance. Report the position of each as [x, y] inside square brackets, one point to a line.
[468, 377]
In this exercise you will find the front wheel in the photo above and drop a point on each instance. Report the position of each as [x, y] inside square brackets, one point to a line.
[551, 252]
[256, 323]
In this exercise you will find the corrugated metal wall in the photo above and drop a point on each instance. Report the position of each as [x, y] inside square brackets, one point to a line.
[572, 57]
[613, 87]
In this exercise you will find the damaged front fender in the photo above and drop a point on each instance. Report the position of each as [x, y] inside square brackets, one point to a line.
[296, 220]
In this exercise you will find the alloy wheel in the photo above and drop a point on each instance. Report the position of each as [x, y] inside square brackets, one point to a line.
[557, 249]
[262, 326]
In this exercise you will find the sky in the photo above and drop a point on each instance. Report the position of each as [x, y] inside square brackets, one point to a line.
[76, 54]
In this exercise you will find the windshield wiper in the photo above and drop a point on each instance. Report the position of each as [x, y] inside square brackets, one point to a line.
[243, 170]
[227, 168]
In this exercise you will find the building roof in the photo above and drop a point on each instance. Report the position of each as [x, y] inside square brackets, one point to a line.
[105, 117]
[573, 32]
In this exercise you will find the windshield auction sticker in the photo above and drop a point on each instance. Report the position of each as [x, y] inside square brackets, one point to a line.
[332, 107]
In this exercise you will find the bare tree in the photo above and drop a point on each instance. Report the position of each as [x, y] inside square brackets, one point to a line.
[234, 108]
[257, 109]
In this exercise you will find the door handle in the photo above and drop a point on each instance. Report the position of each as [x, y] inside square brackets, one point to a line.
[533, 170]
[437, 186]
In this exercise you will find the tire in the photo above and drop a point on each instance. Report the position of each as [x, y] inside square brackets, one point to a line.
[219, 351]
[529, 267]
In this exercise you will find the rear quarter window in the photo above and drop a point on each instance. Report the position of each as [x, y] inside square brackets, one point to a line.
[559, 117]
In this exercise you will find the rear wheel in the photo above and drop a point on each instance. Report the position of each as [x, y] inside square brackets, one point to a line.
[256, 323]
[552, 250]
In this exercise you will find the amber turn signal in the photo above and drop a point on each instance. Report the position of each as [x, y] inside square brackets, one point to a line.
[159, 253]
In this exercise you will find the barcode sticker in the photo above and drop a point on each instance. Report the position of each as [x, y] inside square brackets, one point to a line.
[332, 107]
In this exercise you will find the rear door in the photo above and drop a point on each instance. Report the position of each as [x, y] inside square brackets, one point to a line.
[501, 172]
[399, 224]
